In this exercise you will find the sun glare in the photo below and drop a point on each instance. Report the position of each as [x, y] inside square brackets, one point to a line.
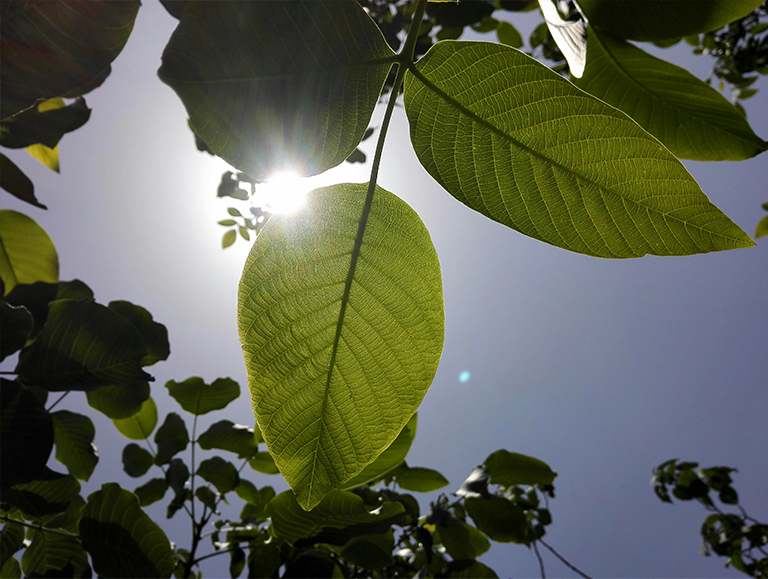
[281, 193]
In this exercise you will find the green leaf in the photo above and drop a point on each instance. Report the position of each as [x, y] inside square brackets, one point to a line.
[17, 324]
[338, 510]
[499, 519]
[762, 227]
[335, 370]
[225, 435]
[121, 539]
[454, 536]
[68, 519]
[119, 401]
[257, 498]
[171, 438]
[176, 476]
[154, 334]
[11, 540]
[228, 238]
[136, 460]
[151, 491]
[301, 92]
[508, 34]
[73, 290]
[26, 435]
[55, 555]
[220, 473]
[227, 222]
[474, 569]
[73, 45]
[11, 569]
[198, 398]
[73, 435]
[206, 496]
[421, 480]
[50, 493]
[264, 463]
[370, 551]
[140, 425]
[48, 157]
[388, 460]
[691, 118]
[509, 469]
[515, 141]
[82, 346]
[44, 124]
[13, 180]
[651, 20]
[27, 254]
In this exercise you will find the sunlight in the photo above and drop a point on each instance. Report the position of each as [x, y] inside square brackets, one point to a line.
[281, 193]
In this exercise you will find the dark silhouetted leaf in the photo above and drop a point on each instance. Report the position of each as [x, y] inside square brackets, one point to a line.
[27, 255]
[498, 518]
[48, 494]
[73, 435]
[226, 435]
[55, 555]
[154, 334]
[171, 438]
[176, 476]
[151, 491]
[73, 290]
[370, 551]
[139, 426]
[119, 401]
[44, 124]
[35, 297]
[473, 569]
[197, 397]
[510, 468]
[220, 473]
[17, 324]
[13, 180]
[136, 460]
[206, 496]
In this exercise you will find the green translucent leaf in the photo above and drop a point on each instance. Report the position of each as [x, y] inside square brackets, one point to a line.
[73, 45]
[220, 473]
[17, 324]
[339, 509]
[171, 438]
[691, 118]
[48, 494]
[508, 34]
[27, 254]
[301, 92]
[55, 555]
[44, 124]
[151, 491]
[197, 397]
[119, 401]
[225, 435]
[48, 157]
[421, 480]
[136, 460]
[73, 435]
[264, 463]
[334, 377]
[140, 425]
[515, 141]
[388, 460]
[26, 435]
[651, 20]
[15, 182]
[509, 469]
[83, 345]
[154, 334]
[499, 519]
[762, 227]
[121, 539]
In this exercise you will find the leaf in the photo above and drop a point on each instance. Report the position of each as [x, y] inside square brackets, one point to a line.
[27, 254]
[121, 539]
[26, 435]
[35, 297]
[508, 34]
[140, 425]
[220, 473]
[119, 401]
[136, 460]
[151, 491]
[48, 157]
[335, 376]
[301, 92]
[421, 480]
[762, 227]
[228, 238]
[198, 398]
[227, 222]
[55, 555]
[11, 540]
[11, 569]
[206, 496]
[257, 498]
[515, 141]
[73, 435]
[73, 290]
[154, 334]
[264, 463]
[48, 494]
[510, 468]
[171, 438]
[13, 180]
[82, 346]
[225, 435]
[691, 118]
[17, 324]
[370, 551]
[652, 20]
[569, 35]
[388, 460]
[44, 124]
[73, 44]
[338, 510]
[454, 536]
[474, 569]
[498, 518]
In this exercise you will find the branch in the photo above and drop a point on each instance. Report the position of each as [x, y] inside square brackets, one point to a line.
[563, 560]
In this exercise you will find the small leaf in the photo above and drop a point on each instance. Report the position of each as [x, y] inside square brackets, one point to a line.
[121, 539]
[220, 473]
[206, 496]
[474, 569]
[510, 468]
[73, 435]
[47, 156]
[136, 460]
[499, 519]
[234, 212]
[421, 480]
[171, 438]
[44, 124]
[119, 401]
[13, 180]
[27, 254]
[73, 290]
[264, 463]
[244, 233]
[762, 227]
[154, 334]
[225, 435]
[227, 222]
[151, 491]
[508, 34]
[370, 551]
[198, 398]
[228, 238]
[140, 425]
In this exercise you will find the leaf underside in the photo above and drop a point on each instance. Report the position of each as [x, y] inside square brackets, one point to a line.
[324, 423]
[513, 140]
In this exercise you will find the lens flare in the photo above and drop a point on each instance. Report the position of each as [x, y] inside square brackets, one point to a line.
[282, 193]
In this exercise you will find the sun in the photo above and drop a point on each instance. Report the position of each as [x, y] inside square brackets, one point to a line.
[281, 193]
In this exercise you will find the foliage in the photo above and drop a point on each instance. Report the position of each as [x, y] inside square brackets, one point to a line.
[741, 539]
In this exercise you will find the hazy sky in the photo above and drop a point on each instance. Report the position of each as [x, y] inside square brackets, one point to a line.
[603, 369]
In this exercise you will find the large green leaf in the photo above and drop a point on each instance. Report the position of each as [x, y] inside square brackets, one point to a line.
[197, 397]
[73, 434]
[691, 118]
[515, 141]
[154, 334]
[338, 510]
[654, 20]
[121, 539]
[27, 254]
[338, 355]
[300, 91]
[83, 345]
[510, 468]
[119, 401]
[55, 555]
[61, 48]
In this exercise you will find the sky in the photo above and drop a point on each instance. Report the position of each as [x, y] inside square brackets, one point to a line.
[601, 368]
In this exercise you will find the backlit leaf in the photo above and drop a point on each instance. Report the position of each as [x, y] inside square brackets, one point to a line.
[73, 435]
[226, 435]
[515, 141]
[510, 468]
[154, 334]
[498, 518]
[334, 379]
[47, 156]
[48, 494]
[151, 491]
[197, 397]
[119, 401]
[140, 425]
[421, 480]
[27, 254]
[44, 124]
[13, 180]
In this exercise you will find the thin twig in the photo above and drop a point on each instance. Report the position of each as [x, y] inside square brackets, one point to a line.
[563, 560]
[541, 561]
[58, 400]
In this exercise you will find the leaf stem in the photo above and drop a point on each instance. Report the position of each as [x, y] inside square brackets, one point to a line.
[563, 560]
[40, 527]
[51, 407]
